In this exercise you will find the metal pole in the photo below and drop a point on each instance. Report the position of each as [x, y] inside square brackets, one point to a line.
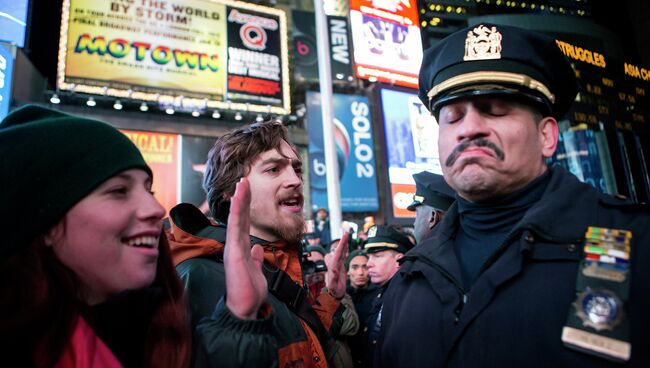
[325, 77]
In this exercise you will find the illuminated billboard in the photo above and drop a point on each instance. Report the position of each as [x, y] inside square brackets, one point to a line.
[189, 53]
[13, 20]
[386, 39]
[354, 152]
[411, 144]
[161, 152]
[6, 77]
[305, 60]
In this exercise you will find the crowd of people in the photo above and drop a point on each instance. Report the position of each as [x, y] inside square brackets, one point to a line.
[510, 263]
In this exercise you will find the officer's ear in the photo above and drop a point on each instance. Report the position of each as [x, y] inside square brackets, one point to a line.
[434, 218]
[548, 135]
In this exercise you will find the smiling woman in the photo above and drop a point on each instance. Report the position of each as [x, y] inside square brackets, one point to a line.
[82, 234]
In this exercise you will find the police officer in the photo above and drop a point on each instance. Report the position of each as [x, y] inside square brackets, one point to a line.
[432, 198]
[385, 246]
[530, 267]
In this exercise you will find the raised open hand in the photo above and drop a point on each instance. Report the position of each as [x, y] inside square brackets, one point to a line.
[246, 286]
[336, 279]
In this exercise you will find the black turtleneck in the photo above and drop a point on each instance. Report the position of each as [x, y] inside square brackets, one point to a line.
[485, 225]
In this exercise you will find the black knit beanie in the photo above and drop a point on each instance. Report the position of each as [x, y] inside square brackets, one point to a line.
[49, 161]
[352, 255]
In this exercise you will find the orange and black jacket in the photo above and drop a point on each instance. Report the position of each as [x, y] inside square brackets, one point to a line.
[279, 338]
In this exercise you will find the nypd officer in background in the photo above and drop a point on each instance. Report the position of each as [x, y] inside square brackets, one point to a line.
[432, 198]
[530, 267]
[384, 247]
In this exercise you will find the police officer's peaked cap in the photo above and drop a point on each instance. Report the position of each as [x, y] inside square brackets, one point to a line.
[383, 237]
[432, 190]
[488, 59]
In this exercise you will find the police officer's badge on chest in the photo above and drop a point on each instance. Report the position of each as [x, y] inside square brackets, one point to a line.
[597, 323]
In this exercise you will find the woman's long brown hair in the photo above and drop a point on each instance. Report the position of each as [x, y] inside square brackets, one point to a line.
[168, 342]
[39, 304]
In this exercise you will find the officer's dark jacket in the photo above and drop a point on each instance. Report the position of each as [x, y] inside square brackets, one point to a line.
[514, 314]
[281, 338]
[367, 302]
[371, 328]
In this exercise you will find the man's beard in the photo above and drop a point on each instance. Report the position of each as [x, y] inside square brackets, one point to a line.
[290, 228]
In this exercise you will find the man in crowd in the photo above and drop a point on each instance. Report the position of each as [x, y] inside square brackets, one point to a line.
[385, 246]
[432, 198]
[315, 252]
[530, 267]
[254, 185]
[362, 291]
[363, 294]
[313, 239]
[322, 226]
[357, 266]
[316, 271]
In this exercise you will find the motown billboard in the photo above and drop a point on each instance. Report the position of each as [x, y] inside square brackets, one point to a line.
[196, 53]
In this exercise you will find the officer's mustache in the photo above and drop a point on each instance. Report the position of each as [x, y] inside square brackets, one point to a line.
[478, 142]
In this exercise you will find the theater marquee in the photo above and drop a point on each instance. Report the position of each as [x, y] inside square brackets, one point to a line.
[194, 53]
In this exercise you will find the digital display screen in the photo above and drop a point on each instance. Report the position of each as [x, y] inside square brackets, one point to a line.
[13, 20]
[386, 39]
[411, 144]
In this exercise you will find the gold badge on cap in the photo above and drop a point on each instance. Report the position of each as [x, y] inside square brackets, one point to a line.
[483, 43]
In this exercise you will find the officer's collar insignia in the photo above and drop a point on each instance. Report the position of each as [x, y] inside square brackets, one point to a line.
[372, 232]
[483, 43]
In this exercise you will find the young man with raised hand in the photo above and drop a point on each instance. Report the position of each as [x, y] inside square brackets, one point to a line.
[258, 311]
